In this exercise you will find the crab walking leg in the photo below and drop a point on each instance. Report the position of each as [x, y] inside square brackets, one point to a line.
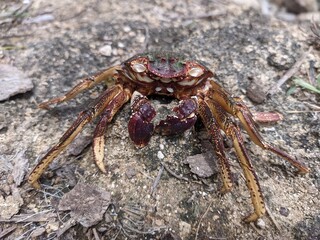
[217, 140]
[84, 117]
[246, 119]
[251, 178]
[237, 108]
[107, 115]
[83, 85]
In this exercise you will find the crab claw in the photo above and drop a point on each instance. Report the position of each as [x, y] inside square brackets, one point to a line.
[184, 119]
[140, 126]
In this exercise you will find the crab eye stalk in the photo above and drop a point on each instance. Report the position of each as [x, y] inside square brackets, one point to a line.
[195, 72]
[138, 67]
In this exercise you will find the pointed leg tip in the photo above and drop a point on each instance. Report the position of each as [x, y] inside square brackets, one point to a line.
[35, 184]
[140, 145]
[304, 170]
[45, 105]
[251, 218]
[102, 168]
[100, 164]
[225, 190]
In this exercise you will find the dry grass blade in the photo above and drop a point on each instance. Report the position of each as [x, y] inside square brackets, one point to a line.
[35, 217]
[156, 181]
[66, 226]
[315, 28]
[173, 174]
[7, 231]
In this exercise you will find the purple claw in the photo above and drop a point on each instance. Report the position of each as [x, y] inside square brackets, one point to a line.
[173, 125]
[140, 126]
[185, 119]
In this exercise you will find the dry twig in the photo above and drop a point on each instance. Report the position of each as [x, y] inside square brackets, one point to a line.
[199, 224]
[66, 226]
[95, 234]
[172, 173]
[35, 217]
[272, 218]
[7, 231]
[156, 181]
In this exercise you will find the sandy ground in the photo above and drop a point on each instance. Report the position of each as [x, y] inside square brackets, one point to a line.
[57, 44]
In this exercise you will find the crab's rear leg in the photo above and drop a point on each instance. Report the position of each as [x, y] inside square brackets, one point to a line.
[83, 85]
[217, 140]
[84, 117]
[246, 119]
[234, 132]
[236, 107]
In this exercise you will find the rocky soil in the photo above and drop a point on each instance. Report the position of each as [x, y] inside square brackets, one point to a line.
[170, 188]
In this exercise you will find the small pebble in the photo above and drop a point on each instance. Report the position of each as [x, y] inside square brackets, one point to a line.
[199, 165]
[106, 50]
[131, 172]
[185, 229]
[126, 29]
[10, 179]
[102, 229]
[52, 227]
[13, 81]
[284, 211]
[260, 224]
[6, 189]
[114, 52]
[215, 217]
[121, 45]
[160, 155]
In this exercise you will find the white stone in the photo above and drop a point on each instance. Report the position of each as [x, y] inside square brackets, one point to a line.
[106, 50]
[160, 155]
[185, 229]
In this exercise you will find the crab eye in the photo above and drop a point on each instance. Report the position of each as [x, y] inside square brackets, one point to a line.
[195, 72]
[138, 67]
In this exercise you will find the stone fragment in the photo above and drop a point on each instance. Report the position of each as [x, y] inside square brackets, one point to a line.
[86, 203]
[200, 165]
[10, 205]
[12, 82]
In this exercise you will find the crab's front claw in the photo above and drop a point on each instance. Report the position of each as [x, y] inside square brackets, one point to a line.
[140, 126]
[185, 119]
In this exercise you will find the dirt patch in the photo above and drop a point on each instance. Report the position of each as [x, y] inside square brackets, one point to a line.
[154, 192]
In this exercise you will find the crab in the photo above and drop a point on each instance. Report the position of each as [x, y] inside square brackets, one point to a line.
[199, 95]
